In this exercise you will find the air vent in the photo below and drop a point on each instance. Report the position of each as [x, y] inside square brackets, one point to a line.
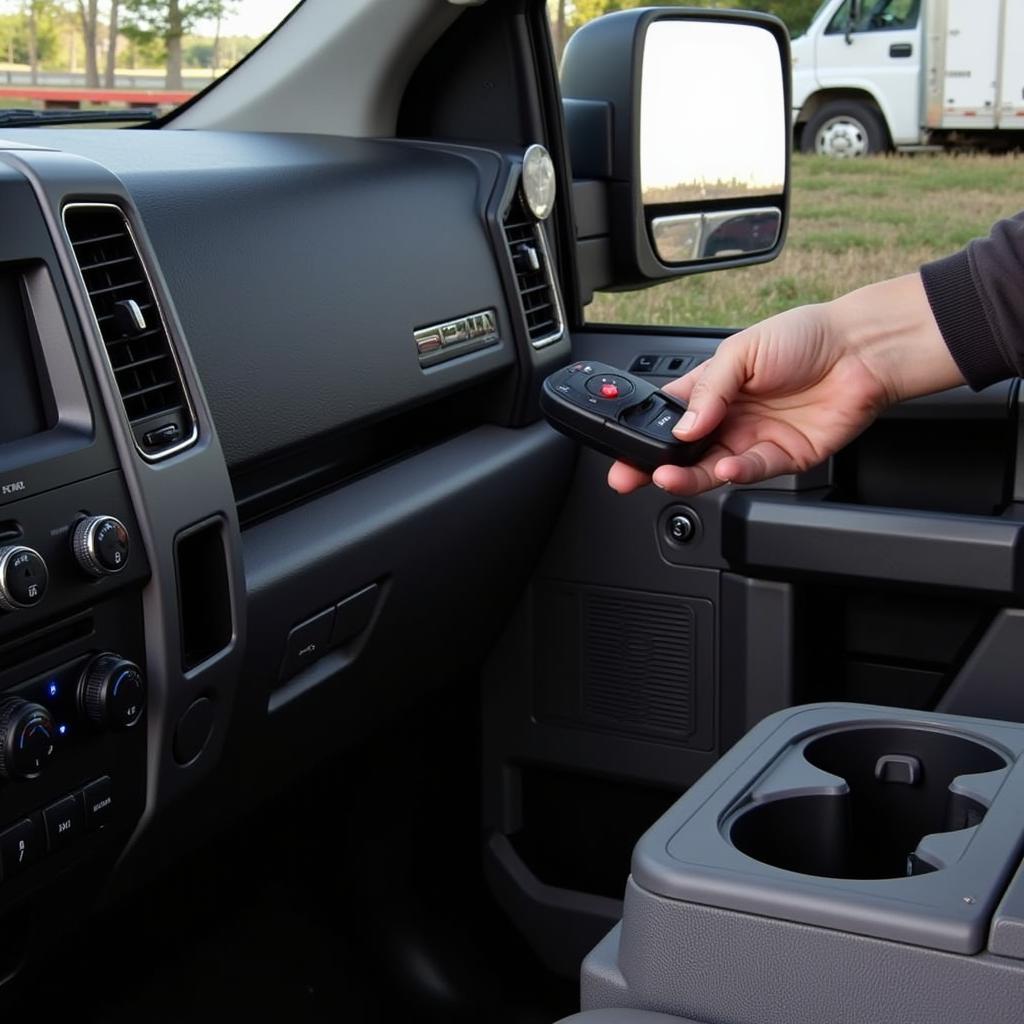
[133, 330]
[528, 251]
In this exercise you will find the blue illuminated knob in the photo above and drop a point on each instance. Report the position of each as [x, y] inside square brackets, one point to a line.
[27, 733]
[112, 692]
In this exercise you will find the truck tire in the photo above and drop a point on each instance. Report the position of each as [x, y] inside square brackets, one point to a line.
[845, 128]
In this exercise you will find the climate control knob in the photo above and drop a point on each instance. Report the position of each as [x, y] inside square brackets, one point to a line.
[27, 733]
[23, 578]
[112, 692]
[101, 545]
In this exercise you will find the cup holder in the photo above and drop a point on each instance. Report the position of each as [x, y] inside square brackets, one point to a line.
[898, 791]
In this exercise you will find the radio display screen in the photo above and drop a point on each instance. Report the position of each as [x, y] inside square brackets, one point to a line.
[22, 409]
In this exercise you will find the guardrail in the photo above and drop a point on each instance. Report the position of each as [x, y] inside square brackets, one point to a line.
[72, 99]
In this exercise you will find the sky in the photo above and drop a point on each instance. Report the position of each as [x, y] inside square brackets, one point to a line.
[251, 18]
[712, 107]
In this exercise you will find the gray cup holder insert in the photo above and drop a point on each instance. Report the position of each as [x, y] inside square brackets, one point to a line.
[899, 789]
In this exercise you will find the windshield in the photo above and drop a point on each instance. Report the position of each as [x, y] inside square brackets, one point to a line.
[124, 55]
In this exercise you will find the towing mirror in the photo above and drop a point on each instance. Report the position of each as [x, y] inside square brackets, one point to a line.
[852, 20]
[685, 116]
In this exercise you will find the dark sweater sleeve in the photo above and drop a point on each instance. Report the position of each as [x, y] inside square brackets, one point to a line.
[977, 297]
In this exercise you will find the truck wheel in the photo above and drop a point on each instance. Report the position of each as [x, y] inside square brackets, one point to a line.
[845, 128]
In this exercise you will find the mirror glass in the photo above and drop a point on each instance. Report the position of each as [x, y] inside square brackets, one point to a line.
[713, 126]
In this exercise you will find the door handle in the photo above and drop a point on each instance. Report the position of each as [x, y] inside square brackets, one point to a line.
[804, 535]
[901, 49]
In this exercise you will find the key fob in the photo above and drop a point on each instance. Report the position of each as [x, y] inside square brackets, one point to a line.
[618, 414]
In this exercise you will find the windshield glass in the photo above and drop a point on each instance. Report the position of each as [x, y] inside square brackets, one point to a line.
[110, 55]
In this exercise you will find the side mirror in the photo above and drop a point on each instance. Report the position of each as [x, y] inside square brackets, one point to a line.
[852, 20]
[684, 116]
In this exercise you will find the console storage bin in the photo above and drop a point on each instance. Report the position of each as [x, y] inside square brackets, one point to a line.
[841, 863]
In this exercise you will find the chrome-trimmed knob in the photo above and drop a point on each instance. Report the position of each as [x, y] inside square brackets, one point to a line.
[88, 545]
[15, 593]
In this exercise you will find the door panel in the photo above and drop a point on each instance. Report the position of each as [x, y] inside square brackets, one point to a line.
[882, 56]
[634, 661]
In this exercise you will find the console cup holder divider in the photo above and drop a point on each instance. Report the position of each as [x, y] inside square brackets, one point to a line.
[868, 802]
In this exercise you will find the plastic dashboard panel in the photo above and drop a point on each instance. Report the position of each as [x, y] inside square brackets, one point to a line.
[300, 267]
[294, 272]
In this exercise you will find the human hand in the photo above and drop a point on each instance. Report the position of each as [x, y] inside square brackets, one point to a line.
[789, 392]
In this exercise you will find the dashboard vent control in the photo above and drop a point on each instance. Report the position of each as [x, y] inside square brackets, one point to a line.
[531, 262]
[134, 333]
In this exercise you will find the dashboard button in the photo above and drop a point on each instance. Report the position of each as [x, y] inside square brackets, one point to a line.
[19, 847]
[98, 797]
[307, 642]
[63, 822]
[354, 614]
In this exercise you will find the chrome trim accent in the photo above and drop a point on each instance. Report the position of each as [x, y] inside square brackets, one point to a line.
[136, 314]
[455, 337]
[194, 436]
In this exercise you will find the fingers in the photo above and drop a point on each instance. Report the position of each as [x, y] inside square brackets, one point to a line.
[625, 478]
[687, 480]
[708, 390]
[759, 462]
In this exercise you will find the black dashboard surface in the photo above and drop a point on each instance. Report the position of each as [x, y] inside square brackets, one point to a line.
[301, 265]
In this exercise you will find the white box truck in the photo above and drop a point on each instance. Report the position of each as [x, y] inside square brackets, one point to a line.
[871, 75]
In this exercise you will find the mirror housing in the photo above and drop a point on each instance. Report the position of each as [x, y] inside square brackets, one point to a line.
[677, 204]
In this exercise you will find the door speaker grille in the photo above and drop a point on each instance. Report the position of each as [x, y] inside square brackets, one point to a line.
[626, 661]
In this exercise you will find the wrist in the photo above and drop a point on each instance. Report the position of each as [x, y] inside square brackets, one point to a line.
[889, 327]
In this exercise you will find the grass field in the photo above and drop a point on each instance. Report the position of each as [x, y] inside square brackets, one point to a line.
[852, 222]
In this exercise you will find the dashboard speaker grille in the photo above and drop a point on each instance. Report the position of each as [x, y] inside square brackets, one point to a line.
[530, 262]
[134, 334]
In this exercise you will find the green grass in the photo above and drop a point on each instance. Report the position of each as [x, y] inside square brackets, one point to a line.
[852, 222]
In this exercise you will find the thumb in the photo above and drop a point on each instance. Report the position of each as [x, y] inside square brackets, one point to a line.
[720, 382]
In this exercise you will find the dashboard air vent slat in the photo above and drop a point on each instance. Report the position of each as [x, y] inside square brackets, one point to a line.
[537, 297]
[134, 334]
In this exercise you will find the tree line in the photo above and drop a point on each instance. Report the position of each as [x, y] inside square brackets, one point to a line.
[569, 15]
[32, 34]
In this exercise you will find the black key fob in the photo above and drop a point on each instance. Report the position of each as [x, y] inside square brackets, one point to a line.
[618, 414]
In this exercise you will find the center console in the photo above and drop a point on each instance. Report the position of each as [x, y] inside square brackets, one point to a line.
[73, 688]
[105, 474]
[842, 863]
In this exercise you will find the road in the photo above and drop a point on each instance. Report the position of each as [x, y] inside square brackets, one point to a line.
[76, 80]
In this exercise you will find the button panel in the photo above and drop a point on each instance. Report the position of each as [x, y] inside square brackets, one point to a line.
[329, 629]
[56, 827]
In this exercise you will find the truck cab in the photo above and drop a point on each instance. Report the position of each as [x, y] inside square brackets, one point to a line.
[335, 685]
[891, 74]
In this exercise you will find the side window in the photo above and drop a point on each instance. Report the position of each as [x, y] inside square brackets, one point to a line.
[877, 16]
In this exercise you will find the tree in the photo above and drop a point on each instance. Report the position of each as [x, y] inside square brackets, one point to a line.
[558, 29]
[169, 21]
[110, 76]
[796, 14]
[88, 14]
